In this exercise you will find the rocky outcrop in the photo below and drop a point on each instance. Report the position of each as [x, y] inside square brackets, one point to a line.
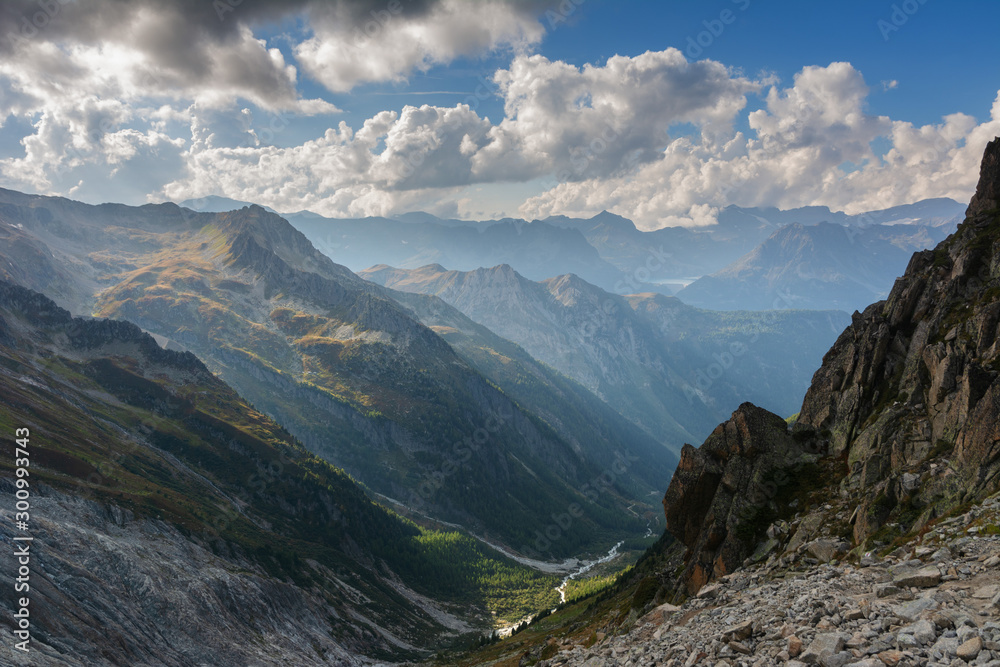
[724, 494]
[905, 411]
[909, 392]
[987, 195]
[883, 613]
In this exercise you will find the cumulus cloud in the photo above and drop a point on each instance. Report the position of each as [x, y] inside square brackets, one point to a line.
[811, 145]
[394, 40]
[597, 120]
[583, 122]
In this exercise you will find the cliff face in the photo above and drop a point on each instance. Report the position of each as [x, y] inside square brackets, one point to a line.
[914, 378]
[723, 493]
[905, 411]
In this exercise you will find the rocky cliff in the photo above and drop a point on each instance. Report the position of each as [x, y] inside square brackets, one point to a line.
[908, 393]
[898, 429]
[723, 492]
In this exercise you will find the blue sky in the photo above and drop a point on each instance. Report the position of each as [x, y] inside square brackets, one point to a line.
[661, 111]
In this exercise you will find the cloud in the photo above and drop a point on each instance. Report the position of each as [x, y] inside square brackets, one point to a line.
[136, 99]
[390, 42]
[596, 121]
[585, 122]
[811, 145]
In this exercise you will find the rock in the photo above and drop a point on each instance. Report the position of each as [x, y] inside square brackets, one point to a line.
[823, 646]
[837, 659]
[794, 646]
[709, 517]
[923, 632]
[924, 577]
[986, 592]
[886, 590]
[854, 615]
[739, 647]
[911, 611]
[891, 658]
[969, 650]
[988, 191]
[739, 632]
[710, 591]
[694, 658]
[825, 549]
[947, 646]
[807, 528]
[992, 561]
[942, 554]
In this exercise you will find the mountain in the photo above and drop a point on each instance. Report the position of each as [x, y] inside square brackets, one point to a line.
[606, 250]
[672, 369]
[174, 524]
[538, 249]
[590, 425]
[217, 204]
[674, 256]
[345, 369]
[820, 266]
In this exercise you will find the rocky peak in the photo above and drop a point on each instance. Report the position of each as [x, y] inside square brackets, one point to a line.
[909, 393]
[722, 492]
[987, 195]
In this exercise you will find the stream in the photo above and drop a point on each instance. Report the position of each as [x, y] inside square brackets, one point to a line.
[585, 568]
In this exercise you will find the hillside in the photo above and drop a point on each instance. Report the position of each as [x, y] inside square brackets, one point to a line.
[651, 357]
[158, 497]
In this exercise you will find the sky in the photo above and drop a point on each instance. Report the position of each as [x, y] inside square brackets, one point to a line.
[663, 112]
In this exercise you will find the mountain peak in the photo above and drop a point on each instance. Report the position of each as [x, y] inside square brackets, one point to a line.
[614, 220]
[988, 191]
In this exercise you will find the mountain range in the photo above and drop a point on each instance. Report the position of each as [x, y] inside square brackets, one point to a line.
[826, 265]
[608, 250]
[345, 369]
[672, 369]
[175, 524]
[246, 424]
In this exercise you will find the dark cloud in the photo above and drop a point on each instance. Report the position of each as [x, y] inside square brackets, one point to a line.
[190, 20]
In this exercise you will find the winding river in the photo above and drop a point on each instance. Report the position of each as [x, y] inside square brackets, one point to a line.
[584, 568]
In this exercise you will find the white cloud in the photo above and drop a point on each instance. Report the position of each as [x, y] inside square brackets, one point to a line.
[149, 110]
[597, 120]
[392, 42]
[812, 146]
[580, 121]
